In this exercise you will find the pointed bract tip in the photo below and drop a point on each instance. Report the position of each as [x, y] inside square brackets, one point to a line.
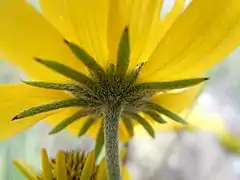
[66, 41]
[206, 78]
[51, 133]
[25, 82]
[37, 59]
[79, 134]
[14, 118]
[126, 29]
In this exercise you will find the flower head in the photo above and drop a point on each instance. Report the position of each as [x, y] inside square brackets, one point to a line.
[68, 165]
[84, 57]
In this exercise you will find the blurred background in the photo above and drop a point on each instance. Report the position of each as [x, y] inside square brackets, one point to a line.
[207, 152]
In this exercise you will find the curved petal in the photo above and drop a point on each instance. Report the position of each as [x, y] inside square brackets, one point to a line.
[74, 128]
[146, 26]
[61, 167]
[160, 27]
[56, 12]
[200, 119]
[25, 34]
[26, 169]
[123, 134]
[178, 102]
[84, 22]
[125, 173]
[17, 97]
[144, 17]
[202, 36]
[120, 12]
[46, 165]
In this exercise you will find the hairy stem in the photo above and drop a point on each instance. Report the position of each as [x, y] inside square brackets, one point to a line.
[111, 123]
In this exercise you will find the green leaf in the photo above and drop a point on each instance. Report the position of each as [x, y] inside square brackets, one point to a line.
[89, 61]
[87, 124]
[68, 121]
[165, 112]
[128, 125]
[47, 107]
[155, 116]
[66, 71]
[179, 84]
[123, 54]
[99, 142]
[143, 122]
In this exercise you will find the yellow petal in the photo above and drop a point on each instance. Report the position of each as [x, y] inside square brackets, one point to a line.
[146, 27]
[160, 27]
[46, 166]
[74, 128]
[144, 17]
[61, 169]
[17, 97]
[202, 36]
[123, 153]
[56, 12]
[125, 174]
[102, 170]
[88, 166]
[178, 102]
[200, 119]
[123, 134]
[81, 21]
[118, 19]
[25, 34]
[26, 170]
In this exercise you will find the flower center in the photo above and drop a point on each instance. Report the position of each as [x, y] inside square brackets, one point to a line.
[74, 162]
[113, 90]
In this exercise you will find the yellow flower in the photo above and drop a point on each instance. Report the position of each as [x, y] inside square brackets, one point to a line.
[182, 45]
[68, 166]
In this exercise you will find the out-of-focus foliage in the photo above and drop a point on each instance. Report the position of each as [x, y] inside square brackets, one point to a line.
[230, 142]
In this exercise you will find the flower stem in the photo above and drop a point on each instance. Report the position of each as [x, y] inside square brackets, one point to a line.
[111, 123]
